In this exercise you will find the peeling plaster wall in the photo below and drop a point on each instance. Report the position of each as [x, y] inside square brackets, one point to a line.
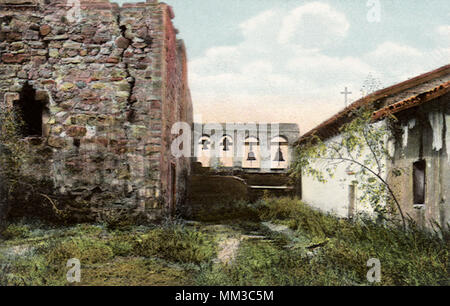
[428, 139]
[114, 83]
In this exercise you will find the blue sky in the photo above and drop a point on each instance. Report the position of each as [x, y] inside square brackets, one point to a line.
[288, 60]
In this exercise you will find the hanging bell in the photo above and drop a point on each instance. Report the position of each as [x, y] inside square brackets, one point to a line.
[226, 144]
[251, 156]
[205, 144]
[279, 156]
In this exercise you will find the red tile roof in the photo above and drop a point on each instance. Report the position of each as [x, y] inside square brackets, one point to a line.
[331, 126]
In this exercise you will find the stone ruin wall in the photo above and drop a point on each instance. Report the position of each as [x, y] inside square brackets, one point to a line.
[112, 85]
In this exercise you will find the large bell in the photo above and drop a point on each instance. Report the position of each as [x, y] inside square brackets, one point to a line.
[279, 156]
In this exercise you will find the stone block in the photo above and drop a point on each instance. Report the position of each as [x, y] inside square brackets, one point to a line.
[45, 29]
[76, 131]
[122, 42]
[15, 58]
[19, 2]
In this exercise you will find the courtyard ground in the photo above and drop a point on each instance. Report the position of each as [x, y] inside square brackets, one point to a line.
[283, 242]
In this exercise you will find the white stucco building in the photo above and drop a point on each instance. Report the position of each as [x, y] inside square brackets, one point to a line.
[419, 145]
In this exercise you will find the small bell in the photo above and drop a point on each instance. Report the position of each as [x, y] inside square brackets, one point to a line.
[226, 144]
[279, 156]
[251, 156]
[205, 144]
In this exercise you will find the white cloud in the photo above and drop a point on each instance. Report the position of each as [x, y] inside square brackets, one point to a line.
[394, 59]
[217, 60]
[443, 37]
[316, 66]
[261, 28]
[313, 25]
[393, 50]
[444, 31]
[399, 62]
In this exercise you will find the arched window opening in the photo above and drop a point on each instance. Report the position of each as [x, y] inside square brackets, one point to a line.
[204, 151]
[226, 143]
[226, 151]
[205, 144]
[252, 158]
[279, 152]
[31, 112]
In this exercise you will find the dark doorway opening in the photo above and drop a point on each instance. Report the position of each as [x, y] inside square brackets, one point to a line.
[30, 111]
[419, 179]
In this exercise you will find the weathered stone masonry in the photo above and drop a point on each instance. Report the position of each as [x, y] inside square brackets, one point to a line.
[110, 86]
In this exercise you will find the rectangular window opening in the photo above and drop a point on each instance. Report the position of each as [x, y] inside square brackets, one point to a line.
[419, 179]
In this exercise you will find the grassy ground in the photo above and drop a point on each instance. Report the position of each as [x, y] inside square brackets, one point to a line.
[323, 250]
[287, 244]
[167, 255]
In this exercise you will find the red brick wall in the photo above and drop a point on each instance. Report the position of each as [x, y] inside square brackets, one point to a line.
[177, 107]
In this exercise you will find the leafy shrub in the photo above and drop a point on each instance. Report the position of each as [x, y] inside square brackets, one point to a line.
[257, 264]
[412, 257]
[86, 249]
[177, 244]
[12, 156]
[299, 216]
[5, 269]
[122, 245]
[15, 231]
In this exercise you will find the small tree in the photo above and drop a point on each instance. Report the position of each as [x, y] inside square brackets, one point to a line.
[12, 157]
[370, 85]
[363, 146]
[15, 155]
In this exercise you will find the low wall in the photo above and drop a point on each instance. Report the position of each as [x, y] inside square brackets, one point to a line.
[216, 195]
[211, 195]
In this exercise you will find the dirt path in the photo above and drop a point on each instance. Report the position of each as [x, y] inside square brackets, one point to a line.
[231, 238]
[279, 228]
[228, 249]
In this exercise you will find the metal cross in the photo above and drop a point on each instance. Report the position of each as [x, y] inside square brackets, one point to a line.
[346, 93]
